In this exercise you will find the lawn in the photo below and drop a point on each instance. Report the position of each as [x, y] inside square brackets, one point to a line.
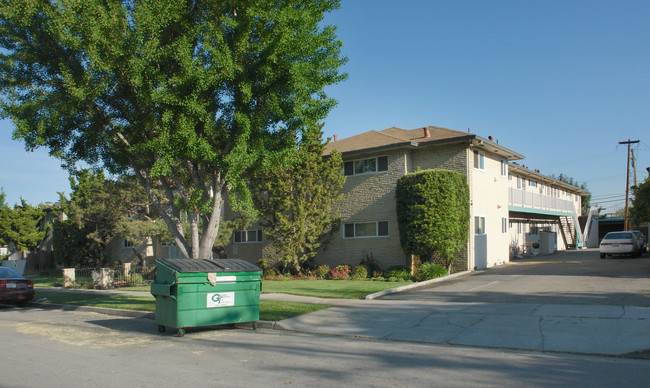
[340, 289]
[269, 310]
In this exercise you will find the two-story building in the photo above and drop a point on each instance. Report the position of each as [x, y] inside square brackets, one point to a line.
[373, 161]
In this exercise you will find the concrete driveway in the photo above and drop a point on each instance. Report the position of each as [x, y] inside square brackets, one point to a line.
[571, 302]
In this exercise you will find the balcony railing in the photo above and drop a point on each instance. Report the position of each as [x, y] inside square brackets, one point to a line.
[527, 199]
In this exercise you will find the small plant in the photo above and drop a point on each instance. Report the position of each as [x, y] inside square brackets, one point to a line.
[398, 272]
[340, 272]
[360, 272]
[322, 271]
[368, 260]
[430, 271]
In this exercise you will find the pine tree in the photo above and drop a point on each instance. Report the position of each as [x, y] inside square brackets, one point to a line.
[296, 202]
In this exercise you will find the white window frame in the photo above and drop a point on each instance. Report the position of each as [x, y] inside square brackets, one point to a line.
[504, 167]
[477, 223]
[356, 161]
[244, 236]
[479, 160]
[504, 225]
[353, 225]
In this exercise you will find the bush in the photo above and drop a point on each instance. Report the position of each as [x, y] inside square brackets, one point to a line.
[368, 261]
[430, 271]
[360, 272]
[340, 272]
[322, 271]
[397, 272]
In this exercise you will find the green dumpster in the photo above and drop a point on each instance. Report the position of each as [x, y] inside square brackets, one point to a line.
[192, 293]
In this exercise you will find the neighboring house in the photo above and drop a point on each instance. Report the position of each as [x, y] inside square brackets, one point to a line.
[373, 162]
[121, 249]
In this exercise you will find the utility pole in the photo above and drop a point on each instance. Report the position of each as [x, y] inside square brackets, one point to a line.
[627, 181]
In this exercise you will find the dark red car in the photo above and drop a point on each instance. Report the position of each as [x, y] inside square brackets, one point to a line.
[14, 288]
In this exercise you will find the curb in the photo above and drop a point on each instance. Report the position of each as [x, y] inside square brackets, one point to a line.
[416, 285]
[267, 325]
[101, 310]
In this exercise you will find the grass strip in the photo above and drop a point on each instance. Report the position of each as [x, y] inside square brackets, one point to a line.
[340, 289]
[270, 310]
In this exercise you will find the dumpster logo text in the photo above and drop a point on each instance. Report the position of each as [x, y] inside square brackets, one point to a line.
[221, 299]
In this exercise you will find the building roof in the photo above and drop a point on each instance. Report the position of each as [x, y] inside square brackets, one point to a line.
[399, 138]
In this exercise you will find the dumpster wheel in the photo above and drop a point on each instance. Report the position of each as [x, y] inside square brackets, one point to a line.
[181, 332]
[161, 329]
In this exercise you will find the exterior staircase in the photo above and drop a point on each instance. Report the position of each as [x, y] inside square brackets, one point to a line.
[569, 230]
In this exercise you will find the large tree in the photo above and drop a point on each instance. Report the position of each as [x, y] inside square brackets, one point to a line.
[23, 226]
[640, 210]
[296, 201]
[182, 94]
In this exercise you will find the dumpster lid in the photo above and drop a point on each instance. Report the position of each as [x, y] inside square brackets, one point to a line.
[218, 265]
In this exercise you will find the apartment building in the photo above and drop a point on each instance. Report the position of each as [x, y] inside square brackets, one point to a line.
[373, 161]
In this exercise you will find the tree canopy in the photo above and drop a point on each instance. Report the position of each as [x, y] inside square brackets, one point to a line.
[640, 210]
[24, 226]
[296, 202]
[186, 96]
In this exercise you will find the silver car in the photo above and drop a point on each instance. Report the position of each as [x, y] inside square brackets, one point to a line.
[618, 243]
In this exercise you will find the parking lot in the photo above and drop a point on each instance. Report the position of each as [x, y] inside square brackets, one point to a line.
[568, 277]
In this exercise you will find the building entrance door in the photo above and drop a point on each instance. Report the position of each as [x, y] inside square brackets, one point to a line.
[480, 251]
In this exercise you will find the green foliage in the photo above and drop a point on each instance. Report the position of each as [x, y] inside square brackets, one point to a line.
[188, 96]
[3, 198]
[25, 226]
[295, 202]
[430, 271]
[397, 273]
[433, 213]
[98, 210]
[322, 271]
[75, 247]
[372, 265]
[640, 210]
[360, 272]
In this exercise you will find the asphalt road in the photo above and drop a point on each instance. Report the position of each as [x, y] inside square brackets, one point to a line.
[571, 277]
[55, 348]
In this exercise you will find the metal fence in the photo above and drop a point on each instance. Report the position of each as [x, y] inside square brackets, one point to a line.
[118, 276]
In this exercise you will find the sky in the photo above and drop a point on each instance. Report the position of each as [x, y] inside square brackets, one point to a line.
[561, 82]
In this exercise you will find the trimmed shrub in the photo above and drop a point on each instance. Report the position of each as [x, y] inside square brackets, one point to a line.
[398, 273]
[433, 213]
[430, 271]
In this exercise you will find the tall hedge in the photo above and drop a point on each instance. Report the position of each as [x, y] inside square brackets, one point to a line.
[433, 214]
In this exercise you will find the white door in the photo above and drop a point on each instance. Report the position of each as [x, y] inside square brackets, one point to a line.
[480, 251]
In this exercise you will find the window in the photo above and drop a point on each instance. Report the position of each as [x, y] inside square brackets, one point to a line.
[248, 236]
[504, 225]
[519, 228]
[510, 176]
[479, 160]
[479, 225]
[127, 243]
[365, 229]
[519, 182]
[533, 183]
[504, 168]
[366, 166]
